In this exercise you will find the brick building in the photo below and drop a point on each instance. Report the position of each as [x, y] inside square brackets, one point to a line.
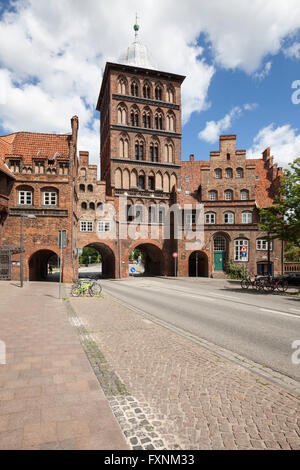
[44, 168]
[142, 176]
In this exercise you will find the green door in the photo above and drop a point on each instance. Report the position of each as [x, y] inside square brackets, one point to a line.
[219, 260]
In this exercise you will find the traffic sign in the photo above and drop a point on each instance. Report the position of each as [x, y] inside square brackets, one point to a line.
[132, 270]
[175, 254]
[244, 249]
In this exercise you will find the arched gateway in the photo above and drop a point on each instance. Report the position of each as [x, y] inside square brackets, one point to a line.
[42, 266]
[149, 262]
[105, 269]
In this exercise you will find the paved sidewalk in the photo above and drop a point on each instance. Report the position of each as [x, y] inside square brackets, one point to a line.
[50, 397]
[174, 394]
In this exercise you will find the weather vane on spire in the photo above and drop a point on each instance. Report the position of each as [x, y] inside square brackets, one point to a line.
[136, 26]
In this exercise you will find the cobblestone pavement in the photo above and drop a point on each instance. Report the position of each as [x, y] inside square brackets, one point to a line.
[49, 395]
[169, 393]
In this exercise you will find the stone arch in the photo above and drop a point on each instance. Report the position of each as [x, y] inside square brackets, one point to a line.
[108, 261]
[153, 258]
[38, 265]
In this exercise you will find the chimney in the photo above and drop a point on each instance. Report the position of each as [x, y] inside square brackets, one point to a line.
[192, 157]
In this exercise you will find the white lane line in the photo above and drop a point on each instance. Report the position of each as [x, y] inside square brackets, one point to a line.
[279, 313]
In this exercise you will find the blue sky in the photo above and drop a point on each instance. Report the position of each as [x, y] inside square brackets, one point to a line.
[240, 59]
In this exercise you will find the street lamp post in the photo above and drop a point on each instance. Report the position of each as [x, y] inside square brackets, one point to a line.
[29, 216]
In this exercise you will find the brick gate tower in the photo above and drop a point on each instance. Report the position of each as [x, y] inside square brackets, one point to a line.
[140, 155]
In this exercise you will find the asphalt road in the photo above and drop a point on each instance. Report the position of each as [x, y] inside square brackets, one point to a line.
[260, 327]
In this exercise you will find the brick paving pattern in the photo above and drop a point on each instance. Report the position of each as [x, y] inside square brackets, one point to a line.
[178, 395]
[49, 396]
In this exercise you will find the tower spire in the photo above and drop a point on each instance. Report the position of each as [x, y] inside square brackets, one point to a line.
[136, 27]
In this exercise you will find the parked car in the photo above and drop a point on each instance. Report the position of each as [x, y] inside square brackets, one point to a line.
[293, 278]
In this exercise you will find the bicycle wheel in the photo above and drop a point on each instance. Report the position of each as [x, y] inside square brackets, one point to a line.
[282, 285]
[96, 288]
[245, 284]
[76, 291]
[258, 285]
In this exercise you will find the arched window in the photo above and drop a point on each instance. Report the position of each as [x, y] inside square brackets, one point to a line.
[146, 90]
[158, 92]
[170, 95]
[82, 188]
[141, 181]
[219, 244]
[169, 152]
[158, 120]
[228, 195]
[124, 147]
[92, 206]
[147, 118]
[239, 173]
[228, 173]
[213, 195]
[247, 218]
[244, 195]
[122, 114]
[170, 122]
[241, 249]
[134, 117]
[153, 152]
[218, 173]
[228, 218]
[83, 206]
[122, 86]
[90, 188]
[151, 182]
[210, 218]
[139, 149]
[134, 88]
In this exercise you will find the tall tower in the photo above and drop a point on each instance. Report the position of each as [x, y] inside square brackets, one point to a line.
[140, 132]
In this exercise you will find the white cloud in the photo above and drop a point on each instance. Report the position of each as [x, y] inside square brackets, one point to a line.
[265, 72]
[213, 129]
[53, 53]
[283, 140]
[293, 51]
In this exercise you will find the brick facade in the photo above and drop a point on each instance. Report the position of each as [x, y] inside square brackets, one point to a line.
[141, 165]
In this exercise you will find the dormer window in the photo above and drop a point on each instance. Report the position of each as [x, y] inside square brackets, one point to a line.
[14, 165]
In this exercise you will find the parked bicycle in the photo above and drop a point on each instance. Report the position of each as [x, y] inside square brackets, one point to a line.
[83, 287]
[254, 283]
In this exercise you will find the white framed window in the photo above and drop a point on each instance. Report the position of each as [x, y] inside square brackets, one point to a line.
[241, 254]
[228, 218]
[190, 219]
[262, 244]
[244, 195]
[25, 198]
[213, 196]
[187, 192]
[86, 226]
[50, 198]
[247, 218]
[218, 173]
[228, 195]
[103, 226]
[210, 218]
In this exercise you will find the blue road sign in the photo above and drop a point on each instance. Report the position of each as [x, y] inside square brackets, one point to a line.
[132, 270]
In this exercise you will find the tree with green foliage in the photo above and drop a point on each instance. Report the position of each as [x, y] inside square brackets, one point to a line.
[90, 255]
[282, 219]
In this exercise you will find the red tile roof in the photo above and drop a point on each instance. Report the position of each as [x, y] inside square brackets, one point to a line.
[29, 144]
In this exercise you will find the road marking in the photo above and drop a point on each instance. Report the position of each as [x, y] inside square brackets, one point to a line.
[199, 297]
[279, 313]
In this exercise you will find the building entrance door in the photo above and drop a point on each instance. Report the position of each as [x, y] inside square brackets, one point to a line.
[219, 253]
